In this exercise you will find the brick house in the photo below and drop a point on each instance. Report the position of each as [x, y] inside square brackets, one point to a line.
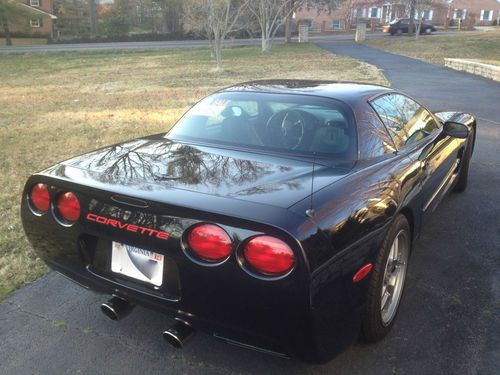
[383, 11]
[41, 20]
[485, 12]
[352, 11]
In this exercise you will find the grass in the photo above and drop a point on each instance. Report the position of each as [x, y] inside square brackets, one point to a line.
[57, 105]
[489, 62]
[24, 41]
[470, 45]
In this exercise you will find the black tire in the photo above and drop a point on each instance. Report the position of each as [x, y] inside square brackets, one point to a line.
[399, 32]
[428, 31]
[373, 326]
[463, 175]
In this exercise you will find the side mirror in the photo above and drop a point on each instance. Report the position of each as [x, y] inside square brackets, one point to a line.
[455, 129]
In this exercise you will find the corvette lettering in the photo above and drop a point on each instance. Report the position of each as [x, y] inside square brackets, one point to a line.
[127, 226]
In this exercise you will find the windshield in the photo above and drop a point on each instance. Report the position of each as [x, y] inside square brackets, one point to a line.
[300, 124]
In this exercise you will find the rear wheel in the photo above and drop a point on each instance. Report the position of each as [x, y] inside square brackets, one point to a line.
[428, 31]
[387, 282]
[463, 175]
[399, 32]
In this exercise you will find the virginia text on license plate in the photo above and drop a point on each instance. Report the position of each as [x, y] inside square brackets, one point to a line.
[137, 263]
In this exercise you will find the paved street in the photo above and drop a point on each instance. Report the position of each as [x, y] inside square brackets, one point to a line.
[176, 43]
[449, 321]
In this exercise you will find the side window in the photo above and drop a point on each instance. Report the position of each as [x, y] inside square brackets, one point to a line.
[407, 121]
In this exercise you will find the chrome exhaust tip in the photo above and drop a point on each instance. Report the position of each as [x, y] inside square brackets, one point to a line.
[178, 334]
[116, 308]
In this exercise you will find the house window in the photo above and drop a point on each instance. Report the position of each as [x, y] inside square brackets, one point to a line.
[35, 22]
[459, 14]
[35, 3]
[374, 12]
[427, 14]
[486, 15]
[336, 24]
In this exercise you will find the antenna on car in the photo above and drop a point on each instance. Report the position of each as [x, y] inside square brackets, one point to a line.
[310, 211]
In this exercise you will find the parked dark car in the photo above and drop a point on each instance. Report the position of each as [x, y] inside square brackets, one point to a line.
[275, 215]
[400, 26]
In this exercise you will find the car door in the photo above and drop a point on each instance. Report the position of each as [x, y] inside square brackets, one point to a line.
[418, 134]
[403, 25]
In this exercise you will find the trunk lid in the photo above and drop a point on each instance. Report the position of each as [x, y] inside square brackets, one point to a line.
[159, 164]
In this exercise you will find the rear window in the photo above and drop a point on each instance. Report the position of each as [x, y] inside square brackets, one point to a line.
[299, 124]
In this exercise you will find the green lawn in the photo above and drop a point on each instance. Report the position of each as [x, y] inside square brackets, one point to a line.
[468, 45]
[55, 105]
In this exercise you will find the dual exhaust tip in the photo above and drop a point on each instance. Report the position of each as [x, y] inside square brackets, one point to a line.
[116, 308]
[177, 335]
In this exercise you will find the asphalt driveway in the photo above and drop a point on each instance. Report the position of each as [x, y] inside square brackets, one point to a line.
[449, 321]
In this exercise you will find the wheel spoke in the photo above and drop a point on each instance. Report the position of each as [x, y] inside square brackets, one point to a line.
[394, 275]
[395, 249]
[393, 278]
[385, 299]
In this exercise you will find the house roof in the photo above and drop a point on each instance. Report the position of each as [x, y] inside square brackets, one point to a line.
[39, 11]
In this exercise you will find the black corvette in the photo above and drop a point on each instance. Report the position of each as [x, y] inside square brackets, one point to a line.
[275, 215]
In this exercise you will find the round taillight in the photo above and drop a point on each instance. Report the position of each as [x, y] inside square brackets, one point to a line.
[269, 256]
[209, 243]
[68, 207]
[40, 197]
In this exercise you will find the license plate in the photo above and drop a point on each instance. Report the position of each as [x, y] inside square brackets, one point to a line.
[139, 264]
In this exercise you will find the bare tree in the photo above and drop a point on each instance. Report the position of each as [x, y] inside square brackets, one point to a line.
[269, 14]
[347, 12]
[421, 6]
[215, 18]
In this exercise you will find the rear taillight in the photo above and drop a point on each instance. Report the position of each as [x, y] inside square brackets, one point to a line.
[269, 256]
[40, 198]
[209, 243]
[68, 207]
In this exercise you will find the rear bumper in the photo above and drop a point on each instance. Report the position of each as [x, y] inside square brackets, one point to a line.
[280, 316]
[281, 330]
[257, 315]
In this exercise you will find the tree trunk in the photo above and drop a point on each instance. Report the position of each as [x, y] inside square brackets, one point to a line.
[164, 21]
[266, 46]
[218, 55]
[6, 31]
[419, 27]
[211, 43]
[93, 18]
[288, 29]
[412, 18]
[288, 22]
[266, 37]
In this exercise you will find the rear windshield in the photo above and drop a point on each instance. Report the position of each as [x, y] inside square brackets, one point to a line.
[299, 124]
